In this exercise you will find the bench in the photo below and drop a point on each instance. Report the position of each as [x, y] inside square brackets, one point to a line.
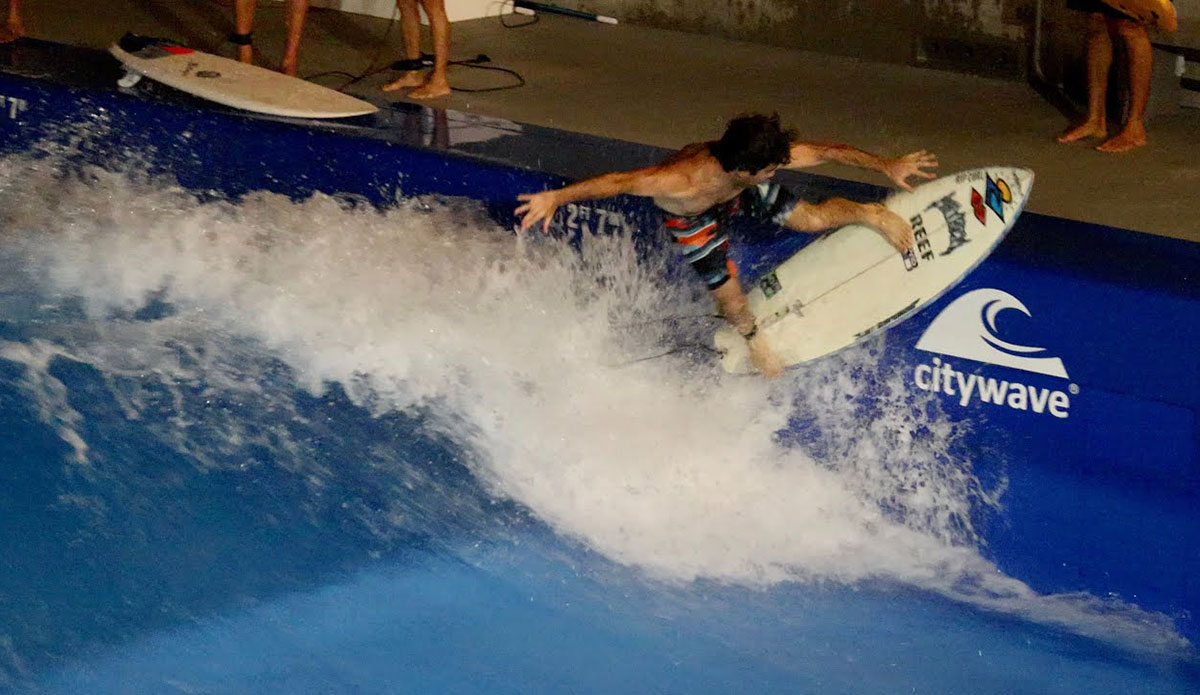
[1181, 49]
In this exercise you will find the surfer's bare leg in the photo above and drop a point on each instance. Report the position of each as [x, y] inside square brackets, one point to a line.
[243, 19]
[410, 29]
[731, 303]
[13, 29]
[297, 10]
[1099, 60]
[1140, 57]
[839, 212]
[436, 84]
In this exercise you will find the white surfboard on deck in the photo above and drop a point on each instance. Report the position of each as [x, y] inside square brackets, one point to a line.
[850, 283]
[234, 84]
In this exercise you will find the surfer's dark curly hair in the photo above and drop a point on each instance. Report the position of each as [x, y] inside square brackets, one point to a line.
[753, 143]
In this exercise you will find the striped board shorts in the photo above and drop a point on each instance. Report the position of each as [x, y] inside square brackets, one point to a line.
[702, 240]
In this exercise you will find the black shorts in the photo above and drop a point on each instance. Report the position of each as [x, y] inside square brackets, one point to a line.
[1105, 9]
[703, 242]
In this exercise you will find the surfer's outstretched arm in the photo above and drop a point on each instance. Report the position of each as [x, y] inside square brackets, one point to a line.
[920, 164]
[650, 181]
[839, 212]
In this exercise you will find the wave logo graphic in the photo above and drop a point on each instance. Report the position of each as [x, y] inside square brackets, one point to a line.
[967, 328]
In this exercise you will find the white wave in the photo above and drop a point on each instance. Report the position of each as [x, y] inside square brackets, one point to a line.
[515, 347]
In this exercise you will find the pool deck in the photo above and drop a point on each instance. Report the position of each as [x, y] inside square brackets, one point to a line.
[666, 89]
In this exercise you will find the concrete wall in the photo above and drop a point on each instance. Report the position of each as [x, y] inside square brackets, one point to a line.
[981, 36]
[886, 30]
[456, 10]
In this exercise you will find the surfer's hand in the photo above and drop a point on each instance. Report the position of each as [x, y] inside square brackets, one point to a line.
[763, 357]
[537, 206]
[895, 229]
[919, 164]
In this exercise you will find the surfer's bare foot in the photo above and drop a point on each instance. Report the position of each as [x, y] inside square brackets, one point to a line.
[764, 358]
[246, 54]
[431, 88]
[290, 66]
[894, 228]
[1131, 137]
[1087, 129]
[412, 78]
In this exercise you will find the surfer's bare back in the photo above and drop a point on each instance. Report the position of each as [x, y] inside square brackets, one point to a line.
[704, 184]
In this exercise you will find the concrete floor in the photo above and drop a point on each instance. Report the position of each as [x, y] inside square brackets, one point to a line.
[669, 88]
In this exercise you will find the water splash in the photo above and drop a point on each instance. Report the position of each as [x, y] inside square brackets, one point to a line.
[512, 348]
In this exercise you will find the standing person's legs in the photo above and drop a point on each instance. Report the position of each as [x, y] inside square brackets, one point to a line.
[436, 84]
[410, 28]
[243, 18]
[13, 29]
[1140, 57]
[1099, 60]
[297, 9]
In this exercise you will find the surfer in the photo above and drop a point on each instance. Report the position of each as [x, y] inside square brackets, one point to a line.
[702, 185]
[1106, 23]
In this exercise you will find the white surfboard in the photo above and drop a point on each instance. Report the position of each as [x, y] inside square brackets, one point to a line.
[850, 283]
[231, 83]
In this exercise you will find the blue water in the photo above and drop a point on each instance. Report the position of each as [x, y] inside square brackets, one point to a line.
[281, 447]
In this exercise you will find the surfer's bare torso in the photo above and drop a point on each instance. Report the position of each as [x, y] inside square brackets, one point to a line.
[698, 181]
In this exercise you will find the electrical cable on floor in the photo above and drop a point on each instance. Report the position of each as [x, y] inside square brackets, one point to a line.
[369, 72]
[534, 18]
[520, 80]
[426, 61]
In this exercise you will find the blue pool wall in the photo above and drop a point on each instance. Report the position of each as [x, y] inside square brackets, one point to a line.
[1103, 500]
